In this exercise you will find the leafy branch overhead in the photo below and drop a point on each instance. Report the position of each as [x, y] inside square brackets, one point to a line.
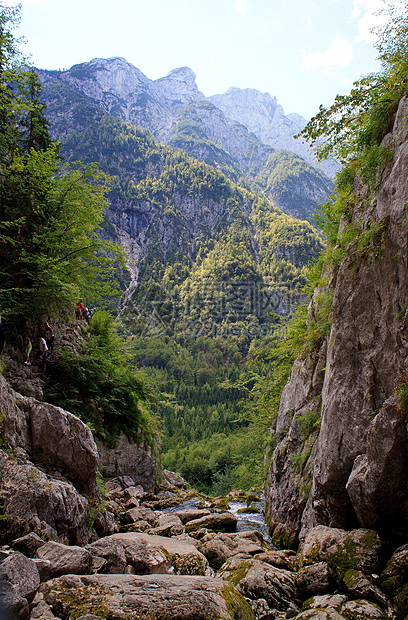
[357, 122]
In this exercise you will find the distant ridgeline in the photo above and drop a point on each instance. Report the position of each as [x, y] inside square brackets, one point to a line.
[214, 266]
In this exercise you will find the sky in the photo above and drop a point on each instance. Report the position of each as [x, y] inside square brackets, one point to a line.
[304, 52]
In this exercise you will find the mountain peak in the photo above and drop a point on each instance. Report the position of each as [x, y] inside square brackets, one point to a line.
[183, 74]
[179, 84]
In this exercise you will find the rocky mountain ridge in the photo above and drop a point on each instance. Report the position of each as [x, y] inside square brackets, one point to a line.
[261, 114]
[176, 113]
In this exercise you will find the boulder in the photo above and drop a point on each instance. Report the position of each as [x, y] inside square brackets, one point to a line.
[164, 597]
[191, 514]
[256, 580]
[19, 581]
[219, 547]
[394, 580]
[105, 523]
[108, 556]
[337, 607]
[148, 554]
[65, 560]
[358, 550]
[40, 610]
[51, 436]
[28, 544]
[314, 579]
[360, 587]
[34, 502]
[217, 522]
[60, 440]
[138, 514]
[174, 480]
[168, 525]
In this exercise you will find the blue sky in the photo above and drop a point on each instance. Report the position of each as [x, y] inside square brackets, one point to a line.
[302, 51]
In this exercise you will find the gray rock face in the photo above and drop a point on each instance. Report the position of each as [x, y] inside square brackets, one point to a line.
[37, 503]
[123, 90]
[263, 116]
[168, 597]
[129, 459]
[51, 437]
[361, 448]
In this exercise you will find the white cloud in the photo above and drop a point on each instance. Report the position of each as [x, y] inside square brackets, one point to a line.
[337, 55]
[366, 11]
[240, 6]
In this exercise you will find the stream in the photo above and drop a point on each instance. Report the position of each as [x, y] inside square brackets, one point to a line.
[246, 521]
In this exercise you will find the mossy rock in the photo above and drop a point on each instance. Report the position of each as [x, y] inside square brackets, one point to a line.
[395, 574]
[248, 510]
[358, 551]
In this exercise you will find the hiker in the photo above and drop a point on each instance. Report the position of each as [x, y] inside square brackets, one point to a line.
[79, 310]
[49, 336]
[27, 348]
[2, 335]
[87, 315]
[42, 350]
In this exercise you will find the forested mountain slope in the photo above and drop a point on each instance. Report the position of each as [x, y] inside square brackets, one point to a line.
[214, 266]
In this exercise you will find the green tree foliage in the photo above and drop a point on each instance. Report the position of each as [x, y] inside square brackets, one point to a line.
[99, 385]
[293, 184]
[50, 214]
[353, 127]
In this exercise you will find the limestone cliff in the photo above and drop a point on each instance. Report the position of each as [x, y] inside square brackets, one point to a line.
[263, 116]
[49, 463]
[350, 469]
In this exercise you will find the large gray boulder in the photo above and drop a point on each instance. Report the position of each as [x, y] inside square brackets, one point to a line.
[64, 559]
[217, 548]
[258, 580]
[34, 502]
[358, 550]
[19, 581]
[147, 554]
[51, 438]
[217, 522]
[338, 607]
[164, 597]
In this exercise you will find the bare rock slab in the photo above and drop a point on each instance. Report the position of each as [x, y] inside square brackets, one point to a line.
[147, 554]
[162, 597]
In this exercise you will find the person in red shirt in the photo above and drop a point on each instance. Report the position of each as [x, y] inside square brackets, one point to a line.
[79, 310]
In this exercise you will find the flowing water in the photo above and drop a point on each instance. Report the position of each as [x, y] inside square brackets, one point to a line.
[246, 521]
